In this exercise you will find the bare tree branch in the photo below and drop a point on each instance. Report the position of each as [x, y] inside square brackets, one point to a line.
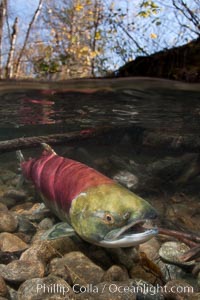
[135, 42]
[10, 64]
[188, 14]
[36, 14]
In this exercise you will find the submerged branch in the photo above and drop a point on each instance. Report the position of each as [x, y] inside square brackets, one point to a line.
[35, 141]
[180, 235]
[192, 240]
[191, 254]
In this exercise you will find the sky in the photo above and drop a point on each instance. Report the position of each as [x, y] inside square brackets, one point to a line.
[164, 35]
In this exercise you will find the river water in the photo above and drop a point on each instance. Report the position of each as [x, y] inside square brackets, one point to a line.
[37, 108]
[134, 109]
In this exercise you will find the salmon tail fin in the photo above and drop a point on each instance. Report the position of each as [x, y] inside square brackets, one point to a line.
[20, 158]
[48, 148]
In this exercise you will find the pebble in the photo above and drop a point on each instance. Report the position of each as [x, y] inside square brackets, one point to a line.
[8, 222]
[18, 195]
[11, 243]
[127, 179]
[9, 202]
[47, 288]
[138, 271]
[7, 257]
[46, 224]
[57, 268]
[24, 208]
[35, 212]
[7, 175]
[171, 251]
[170, 271]
[25, 226]
[19, 271]
[26, 238]
[81, 269]
[124, 256]
[3, 207]
[108, 290]
[64, 245]
[46, 250]
[98, 255]
[175, 289]
[12, 293]
[40, 251]
[3, 287]
[150, 248]
[195, 296]
[116, 273]
[121, 290]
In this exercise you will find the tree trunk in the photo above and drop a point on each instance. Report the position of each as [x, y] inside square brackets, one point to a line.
[10, 61]
[3, 7]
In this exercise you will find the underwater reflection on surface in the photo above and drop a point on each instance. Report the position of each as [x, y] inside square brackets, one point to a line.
[72, 110]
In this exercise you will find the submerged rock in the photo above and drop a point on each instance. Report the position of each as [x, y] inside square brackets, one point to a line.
[12, 293]
[172, 251]
[98, 255]
[3, 287]
[7, 175]
[46, 224]
[25, 225]
[35, 212]
[139, 272]
[122, 290]
[127, 257]
[115, 290]
[3, 207]
[170, 271]
[8, 222]
[40, 251]
[150, 248]
[116, 273]
[18, 195]
[178, 289]
[58, 268]
[11, 243]
[9, 202]
[81, 269]
[19, 271]
[127, 179]
[47, 288]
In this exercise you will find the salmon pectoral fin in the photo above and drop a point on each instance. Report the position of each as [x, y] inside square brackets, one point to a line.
[62, 229]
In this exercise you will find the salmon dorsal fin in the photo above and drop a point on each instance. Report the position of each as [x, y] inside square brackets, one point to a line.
[47, 149]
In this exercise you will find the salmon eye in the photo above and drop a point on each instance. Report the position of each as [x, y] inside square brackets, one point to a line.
[108, 218]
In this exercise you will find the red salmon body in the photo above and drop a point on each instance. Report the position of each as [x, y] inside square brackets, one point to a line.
[61, 180]
[88, 203]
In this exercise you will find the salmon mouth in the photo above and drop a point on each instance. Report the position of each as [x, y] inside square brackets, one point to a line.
[132, 234]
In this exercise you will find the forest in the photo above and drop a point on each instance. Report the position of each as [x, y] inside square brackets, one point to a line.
[90, 38]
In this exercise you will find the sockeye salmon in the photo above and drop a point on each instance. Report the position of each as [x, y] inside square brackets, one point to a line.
[88, 203]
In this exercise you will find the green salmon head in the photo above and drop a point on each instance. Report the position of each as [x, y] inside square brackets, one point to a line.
[111, 216]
